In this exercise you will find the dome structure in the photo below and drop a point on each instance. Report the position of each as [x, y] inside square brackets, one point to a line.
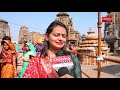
[91, 34]
[90, 46]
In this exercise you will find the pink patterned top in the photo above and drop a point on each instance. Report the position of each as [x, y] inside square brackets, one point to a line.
[36, 69]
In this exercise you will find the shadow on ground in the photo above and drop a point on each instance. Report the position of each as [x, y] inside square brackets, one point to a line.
[111, 69]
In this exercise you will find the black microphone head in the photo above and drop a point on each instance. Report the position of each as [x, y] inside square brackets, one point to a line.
[60, 53]
[62, 71]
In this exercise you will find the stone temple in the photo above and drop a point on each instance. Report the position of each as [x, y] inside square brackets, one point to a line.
[89, 46]
[74, 37]
[4, 30]
[112, 32]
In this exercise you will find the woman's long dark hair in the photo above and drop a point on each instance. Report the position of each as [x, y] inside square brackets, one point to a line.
[49, 30]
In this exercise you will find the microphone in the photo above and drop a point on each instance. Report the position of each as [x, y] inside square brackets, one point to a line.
[60, 53]
[62, 71]
[62, 60]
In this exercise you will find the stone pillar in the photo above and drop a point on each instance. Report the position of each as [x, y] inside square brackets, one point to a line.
[116, 35]
[116, 32]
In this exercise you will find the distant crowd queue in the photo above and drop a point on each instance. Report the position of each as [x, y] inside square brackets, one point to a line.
[38, 60]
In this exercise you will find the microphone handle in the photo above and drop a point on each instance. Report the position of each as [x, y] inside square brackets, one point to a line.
[53, 74]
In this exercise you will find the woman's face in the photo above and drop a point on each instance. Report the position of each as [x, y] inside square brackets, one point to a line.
[6, 46]
[57, 38]
[27, 47]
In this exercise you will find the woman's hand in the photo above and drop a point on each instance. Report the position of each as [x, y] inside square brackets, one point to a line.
[66, 76]
[15, 73]
[29, 60]
[3, 60]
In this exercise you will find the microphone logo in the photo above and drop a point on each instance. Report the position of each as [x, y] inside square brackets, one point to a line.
[62, 61]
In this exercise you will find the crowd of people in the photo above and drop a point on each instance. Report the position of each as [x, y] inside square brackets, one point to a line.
[38, 59]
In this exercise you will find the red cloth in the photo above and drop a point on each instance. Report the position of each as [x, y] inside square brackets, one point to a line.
[35, 69]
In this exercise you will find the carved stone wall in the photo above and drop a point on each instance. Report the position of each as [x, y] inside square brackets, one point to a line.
[74, 37]
[23, 34]
[112, 32]
[34, 37]
[4, 30]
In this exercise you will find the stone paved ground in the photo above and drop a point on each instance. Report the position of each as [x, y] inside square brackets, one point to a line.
[106, 72]
[20, 63]
[112, 70]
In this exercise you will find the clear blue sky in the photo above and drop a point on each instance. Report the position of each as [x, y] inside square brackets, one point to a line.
[39, 21]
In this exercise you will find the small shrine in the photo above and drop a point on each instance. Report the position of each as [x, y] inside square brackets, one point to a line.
[89, 46]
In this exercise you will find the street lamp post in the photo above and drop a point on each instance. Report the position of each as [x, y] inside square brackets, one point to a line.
[99, 41]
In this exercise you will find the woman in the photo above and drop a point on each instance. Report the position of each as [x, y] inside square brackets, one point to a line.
[4, 38]
[9, 38]
[8, 53]
[23, 48]
[39, 46]
[55, 40]
[30, 52]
